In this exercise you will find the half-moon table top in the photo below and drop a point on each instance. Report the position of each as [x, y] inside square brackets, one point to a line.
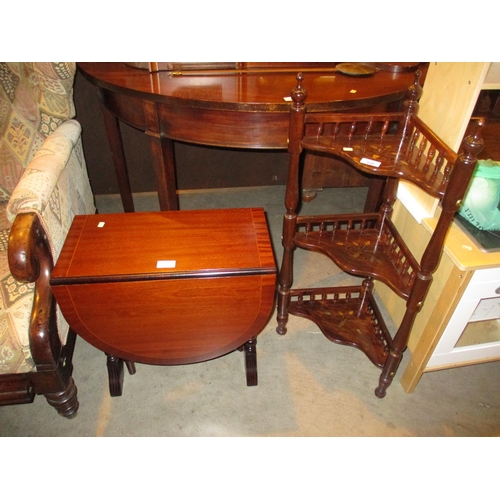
[254, 89]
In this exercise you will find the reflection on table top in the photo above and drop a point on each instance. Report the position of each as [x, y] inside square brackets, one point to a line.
[252, 90]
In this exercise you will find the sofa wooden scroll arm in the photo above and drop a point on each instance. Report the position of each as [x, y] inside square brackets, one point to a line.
[30, 261]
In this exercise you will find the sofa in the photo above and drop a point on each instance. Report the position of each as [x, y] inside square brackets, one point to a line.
[43, 185]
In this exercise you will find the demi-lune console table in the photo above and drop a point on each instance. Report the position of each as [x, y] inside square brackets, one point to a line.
[245, 108]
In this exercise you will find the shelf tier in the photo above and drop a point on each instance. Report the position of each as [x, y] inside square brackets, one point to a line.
[363, 245]
[345, 315]
[415, 154]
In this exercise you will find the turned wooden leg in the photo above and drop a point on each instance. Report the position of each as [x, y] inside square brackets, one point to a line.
[282, 317]
[400, 340]
[251, 361]
[115, 375]
[308, 195]
[284, 286]
[66, 401]
[388, 372]
[131, 367]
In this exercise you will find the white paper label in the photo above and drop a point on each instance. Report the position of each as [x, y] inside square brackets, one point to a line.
[101, 224]
[166, 264]
[372, 163]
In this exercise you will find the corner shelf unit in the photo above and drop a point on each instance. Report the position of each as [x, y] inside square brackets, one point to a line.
[392, 146]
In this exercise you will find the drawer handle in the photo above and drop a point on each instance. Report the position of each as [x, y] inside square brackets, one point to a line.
[498, 290]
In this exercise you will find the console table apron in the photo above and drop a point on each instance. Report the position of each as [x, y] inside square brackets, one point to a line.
[227, 109]
[167, 287]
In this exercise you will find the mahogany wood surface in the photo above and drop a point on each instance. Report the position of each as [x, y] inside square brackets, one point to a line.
[235, 109]
[392, 146]
[258, 91]
[216, 299]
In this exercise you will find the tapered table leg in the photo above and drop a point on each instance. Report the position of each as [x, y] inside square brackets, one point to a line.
[162, 152]
[118, 156]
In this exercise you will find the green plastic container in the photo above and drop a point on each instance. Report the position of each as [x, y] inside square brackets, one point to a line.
[480, 205]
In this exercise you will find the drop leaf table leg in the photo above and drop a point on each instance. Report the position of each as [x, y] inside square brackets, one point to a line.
[250, 349]
[251, 361]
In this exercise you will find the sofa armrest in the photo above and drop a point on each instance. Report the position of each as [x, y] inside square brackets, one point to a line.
[54, 188]
[30, 261]
[40, 178]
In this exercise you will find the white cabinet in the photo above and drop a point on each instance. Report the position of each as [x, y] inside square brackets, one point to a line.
[459, 324]
[473, 332]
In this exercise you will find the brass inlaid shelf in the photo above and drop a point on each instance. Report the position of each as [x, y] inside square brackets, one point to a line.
[363, 245]
[412, 152]
[345, 315]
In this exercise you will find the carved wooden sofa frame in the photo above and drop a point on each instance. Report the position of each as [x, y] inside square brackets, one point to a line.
[30, 261]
